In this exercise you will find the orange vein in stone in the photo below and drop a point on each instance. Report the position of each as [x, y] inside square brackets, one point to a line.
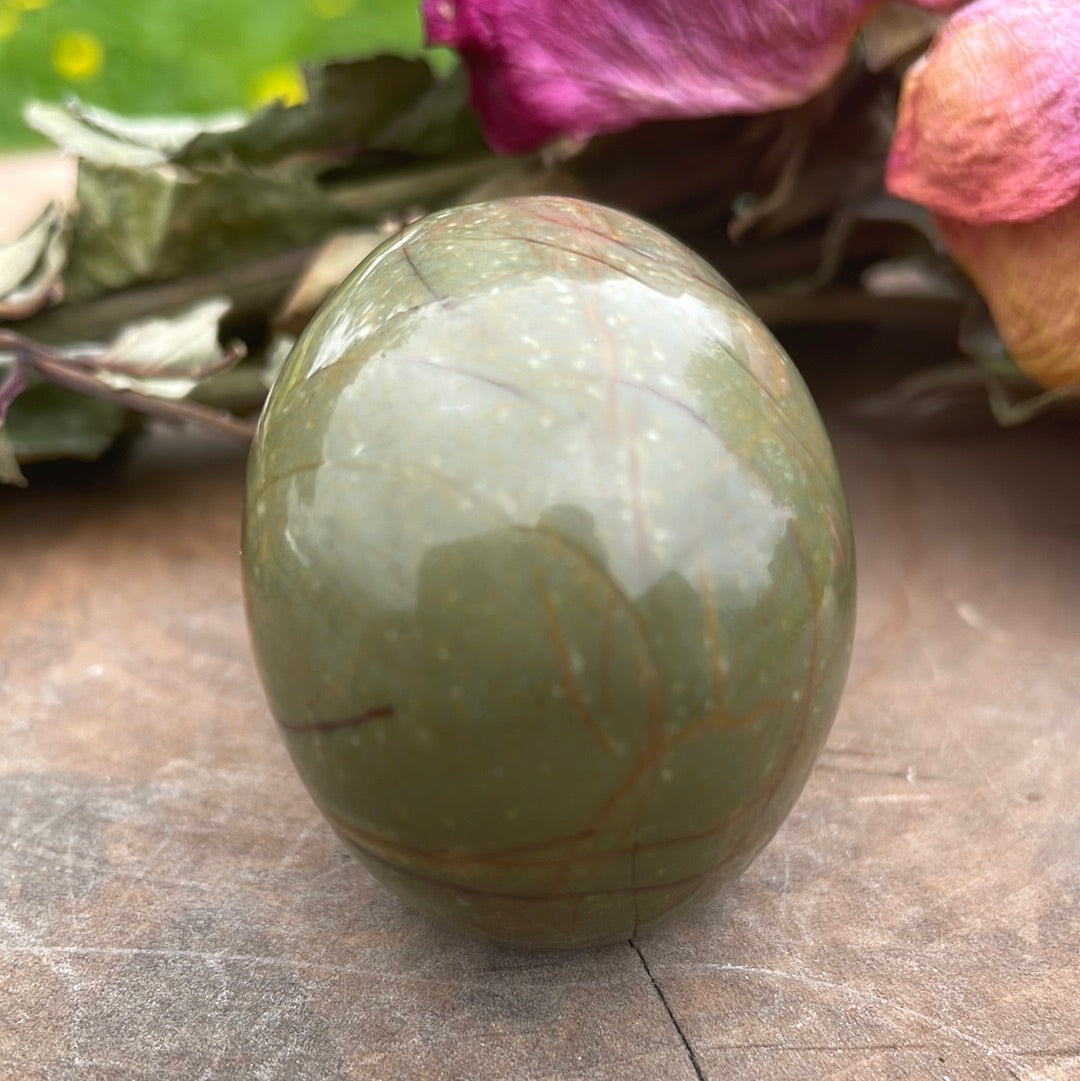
[688, 882]
[566, 670]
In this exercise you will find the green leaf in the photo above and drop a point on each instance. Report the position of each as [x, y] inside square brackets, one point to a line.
[30, 266]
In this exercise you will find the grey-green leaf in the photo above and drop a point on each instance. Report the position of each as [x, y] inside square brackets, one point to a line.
[332, 263]
[10, 473]
[167, 358]
[30, 266]
[107, 138]
[439, 122]
[893, 31]
[48, 422]
[349, 103]
[143, 225]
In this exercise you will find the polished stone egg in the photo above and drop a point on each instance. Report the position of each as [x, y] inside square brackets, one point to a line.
[548, 571]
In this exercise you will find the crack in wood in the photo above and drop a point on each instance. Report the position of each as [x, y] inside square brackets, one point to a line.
[699, 1073]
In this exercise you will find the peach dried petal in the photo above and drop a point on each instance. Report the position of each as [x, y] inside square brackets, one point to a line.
[989, 124]
[1030, 276]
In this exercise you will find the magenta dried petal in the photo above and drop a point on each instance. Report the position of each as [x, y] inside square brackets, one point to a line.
[989, 126]
[545, 68]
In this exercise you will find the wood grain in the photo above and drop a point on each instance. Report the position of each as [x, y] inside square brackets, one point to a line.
[173, 907]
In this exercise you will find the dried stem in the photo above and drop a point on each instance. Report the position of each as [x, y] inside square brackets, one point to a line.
[13, 385]
[75, 373]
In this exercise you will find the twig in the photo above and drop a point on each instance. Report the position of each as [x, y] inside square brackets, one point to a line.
[73, 373]
[252, 287]
[13, 385]
[94, 362]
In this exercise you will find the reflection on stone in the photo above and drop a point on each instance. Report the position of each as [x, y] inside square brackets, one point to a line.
[548, 571]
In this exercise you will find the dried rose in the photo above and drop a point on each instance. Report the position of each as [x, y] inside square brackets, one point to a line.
[545, 68]
[988, 137]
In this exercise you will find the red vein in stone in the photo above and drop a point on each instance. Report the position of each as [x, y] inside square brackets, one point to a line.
[375, 713]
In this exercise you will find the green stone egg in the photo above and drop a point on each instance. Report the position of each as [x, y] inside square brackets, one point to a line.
[548, 570]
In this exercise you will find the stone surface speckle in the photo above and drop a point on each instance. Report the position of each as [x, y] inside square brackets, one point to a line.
[552, 601]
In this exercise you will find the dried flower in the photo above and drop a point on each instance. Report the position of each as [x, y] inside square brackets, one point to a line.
[988, 137]
[545, 68]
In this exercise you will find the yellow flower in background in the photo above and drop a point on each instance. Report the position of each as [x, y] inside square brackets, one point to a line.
[77, 55]
[27, 5]
[284, 83]
[328, 9]
[9, 23]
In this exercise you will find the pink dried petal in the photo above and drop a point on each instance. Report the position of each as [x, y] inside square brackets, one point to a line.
[1030, 276]
[544, 68]
[989, 126]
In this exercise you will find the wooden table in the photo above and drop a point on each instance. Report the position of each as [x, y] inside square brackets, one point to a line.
[173, 907]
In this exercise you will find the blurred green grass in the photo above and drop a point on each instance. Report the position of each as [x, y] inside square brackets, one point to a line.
[145, 57]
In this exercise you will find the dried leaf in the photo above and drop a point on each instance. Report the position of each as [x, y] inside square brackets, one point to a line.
[1010, 409]
[163, 199]
[255, 288]
[439, 122]
[276, 354]
[986, 375]
[10, 473]
[332, 263]
[879, 208]
[166, 358]
[1014, 397]
[106, 138]
[980, 340]
[912, 276]
[383, 103]
[142, 225]
[30, 266]
[11, 386]
[349, 104]
[423, 187]
[893, 31]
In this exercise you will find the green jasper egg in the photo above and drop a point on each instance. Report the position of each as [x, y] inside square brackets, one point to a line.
[548, 571]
